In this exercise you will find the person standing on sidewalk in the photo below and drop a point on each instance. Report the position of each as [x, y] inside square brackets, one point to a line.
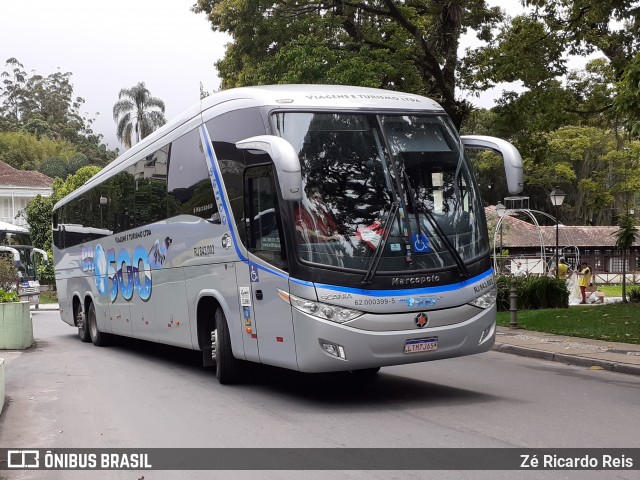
[584, 274]
[564, 270]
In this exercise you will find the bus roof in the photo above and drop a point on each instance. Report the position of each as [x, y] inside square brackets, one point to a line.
[286, 96]
[8, 227]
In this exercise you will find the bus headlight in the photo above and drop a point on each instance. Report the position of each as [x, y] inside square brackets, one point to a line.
[487, 299]
[323, 310]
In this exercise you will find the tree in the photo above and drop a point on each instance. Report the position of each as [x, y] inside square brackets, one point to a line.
[25, 152]
[44, 107]
[628, 98]
[60, 167]
[409, 46]
[137, 111]
[625, 237]
[39, 210]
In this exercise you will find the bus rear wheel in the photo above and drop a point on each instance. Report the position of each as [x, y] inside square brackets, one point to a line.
[98, 338]
[81, 322]
[227, 366]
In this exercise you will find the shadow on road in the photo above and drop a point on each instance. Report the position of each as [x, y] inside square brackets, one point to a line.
[335, 390]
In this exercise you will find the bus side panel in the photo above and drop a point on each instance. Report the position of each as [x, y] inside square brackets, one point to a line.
[65, 286]
[172, 315]
[64, 301]
[143, 319]
[219, 281]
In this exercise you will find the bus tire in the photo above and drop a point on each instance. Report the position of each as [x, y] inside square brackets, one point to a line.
[98, 338]
[81, 322]
[227, 366]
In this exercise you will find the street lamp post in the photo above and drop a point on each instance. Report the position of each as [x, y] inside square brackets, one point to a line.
[557, 197]
[500, 210]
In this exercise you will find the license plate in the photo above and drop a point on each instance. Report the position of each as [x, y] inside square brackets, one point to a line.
[421, 345]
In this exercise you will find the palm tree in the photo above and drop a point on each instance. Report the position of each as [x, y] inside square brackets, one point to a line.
[136, 110]
[625, 236]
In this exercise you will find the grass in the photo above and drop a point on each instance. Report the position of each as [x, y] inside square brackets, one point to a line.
[614, 322]
[49, 297]
[612, 290]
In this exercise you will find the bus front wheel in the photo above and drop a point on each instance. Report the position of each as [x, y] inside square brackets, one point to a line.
[227, 366]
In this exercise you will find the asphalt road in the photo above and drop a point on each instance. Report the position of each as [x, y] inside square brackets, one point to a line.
[68, 394]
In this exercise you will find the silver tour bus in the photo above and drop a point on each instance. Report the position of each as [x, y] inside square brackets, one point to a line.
[315, 228]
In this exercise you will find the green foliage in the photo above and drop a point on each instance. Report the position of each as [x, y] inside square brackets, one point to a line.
[628, 98]
[38, 213]
[523, 51]
[633, 294]
[62, 188]
[24, 151]
[410, 47]
[40, 119]
[136, 111]
[8, 273]
[60, 167]
[8, 297]
[533, 292]
[626, 233]
[46, 273]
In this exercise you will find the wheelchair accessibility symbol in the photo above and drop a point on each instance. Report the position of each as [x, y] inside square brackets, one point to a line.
[421, 245]
[253, 272]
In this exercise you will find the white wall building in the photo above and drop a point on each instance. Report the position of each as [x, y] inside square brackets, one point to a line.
[17, 189]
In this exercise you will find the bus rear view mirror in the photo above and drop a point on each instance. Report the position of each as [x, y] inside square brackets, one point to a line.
[510, 154]
[285, 159]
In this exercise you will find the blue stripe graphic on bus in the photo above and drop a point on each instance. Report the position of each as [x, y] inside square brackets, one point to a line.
[412, 291]
[125, 274]
[218, 187]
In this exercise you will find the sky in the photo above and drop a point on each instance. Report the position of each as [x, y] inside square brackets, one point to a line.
[108, 45]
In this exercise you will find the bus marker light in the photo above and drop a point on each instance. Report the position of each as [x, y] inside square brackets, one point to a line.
[279, 339]
[254, 335]
[283, 295]
[248, 330]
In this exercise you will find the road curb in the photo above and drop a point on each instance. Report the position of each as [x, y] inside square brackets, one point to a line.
[619, 367]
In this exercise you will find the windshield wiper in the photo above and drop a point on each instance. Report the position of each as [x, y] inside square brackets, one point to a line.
[435, 225]
[377, 254]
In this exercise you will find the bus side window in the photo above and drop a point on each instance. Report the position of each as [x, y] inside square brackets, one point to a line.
[262, 221]
[189, 185]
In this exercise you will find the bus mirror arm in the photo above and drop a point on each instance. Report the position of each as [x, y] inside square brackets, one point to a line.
[510, 154]
[45, 257]
[14, 252]
[285, 159]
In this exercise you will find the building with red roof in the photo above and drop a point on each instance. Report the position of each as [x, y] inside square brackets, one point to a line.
[17, 189]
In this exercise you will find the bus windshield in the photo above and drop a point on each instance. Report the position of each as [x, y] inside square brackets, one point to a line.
[392, 189]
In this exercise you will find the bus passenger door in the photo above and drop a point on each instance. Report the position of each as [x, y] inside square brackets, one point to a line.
[267, 315]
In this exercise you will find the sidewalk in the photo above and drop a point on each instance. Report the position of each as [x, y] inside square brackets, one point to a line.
[618, 357]
[583, 352]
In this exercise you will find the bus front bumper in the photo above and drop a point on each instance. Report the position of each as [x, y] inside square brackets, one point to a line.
[324, 346]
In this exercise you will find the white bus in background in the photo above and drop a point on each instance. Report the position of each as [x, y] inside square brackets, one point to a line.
[315, 228]
[15, 244]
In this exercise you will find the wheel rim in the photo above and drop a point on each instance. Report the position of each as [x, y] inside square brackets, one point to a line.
[214, 344]
[93, 327]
